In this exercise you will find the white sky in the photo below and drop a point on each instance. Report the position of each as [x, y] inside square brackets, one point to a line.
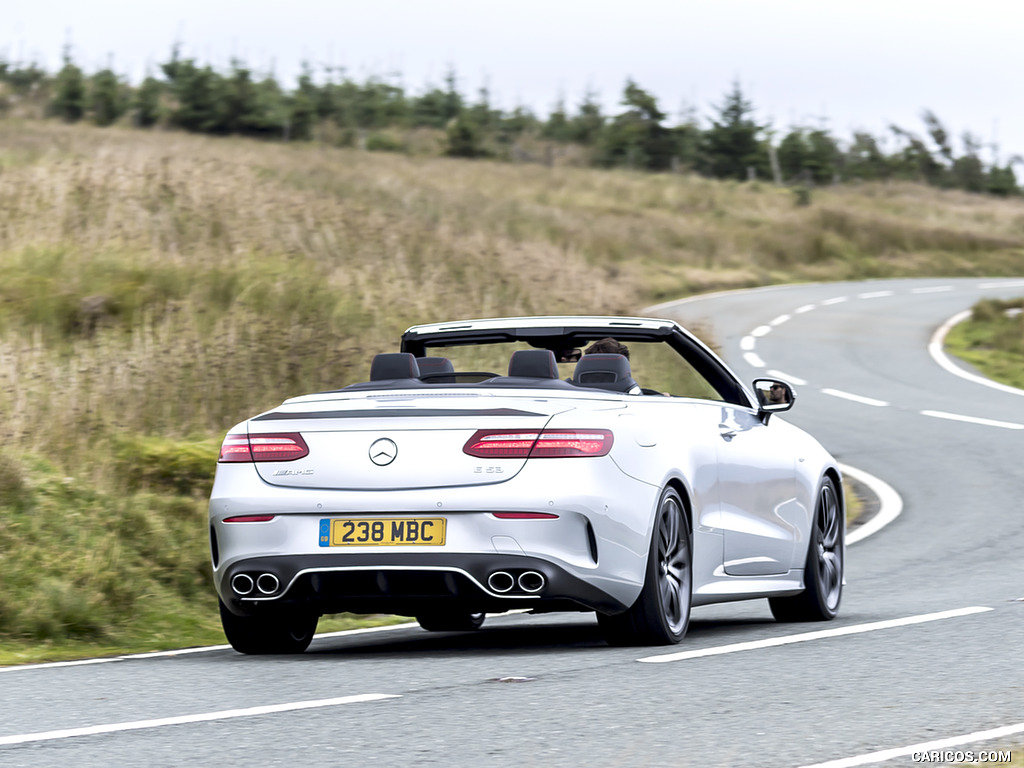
[851, 65]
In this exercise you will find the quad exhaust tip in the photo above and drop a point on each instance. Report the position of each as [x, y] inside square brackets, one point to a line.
[531, 581]
[501, 581]
[267, 583]
[242, 584]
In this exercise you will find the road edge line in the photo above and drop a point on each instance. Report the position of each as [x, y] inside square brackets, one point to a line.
[936, 349]
[891, 503]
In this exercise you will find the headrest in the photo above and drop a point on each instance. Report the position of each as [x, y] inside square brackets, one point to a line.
[604, 371]
[394, 365]
[431, 367]
[533, 363]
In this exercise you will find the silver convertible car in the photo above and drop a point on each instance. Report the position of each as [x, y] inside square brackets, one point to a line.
[517, 463]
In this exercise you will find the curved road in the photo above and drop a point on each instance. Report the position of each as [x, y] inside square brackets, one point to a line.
[927, 649]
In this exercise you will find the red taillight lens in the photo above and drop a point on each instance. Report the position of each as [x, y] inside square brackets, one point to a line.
[266, 447]
[539, 443]
[249, 519]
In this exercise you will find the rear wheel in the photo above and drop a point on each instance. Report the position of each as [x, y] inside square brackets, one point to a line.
[823, 570]
[451, 621]
[290, 632]
[661, 613]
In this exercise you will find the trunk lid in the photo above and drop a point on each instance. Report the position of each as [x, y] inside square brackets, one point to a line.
[397, 441]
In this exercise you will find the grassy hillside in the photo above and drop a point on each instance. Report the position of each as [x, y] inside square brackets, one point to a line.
[157, 288]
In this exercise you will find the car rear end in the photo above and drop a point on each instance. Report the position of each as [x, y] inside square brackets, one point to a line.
[417, 502]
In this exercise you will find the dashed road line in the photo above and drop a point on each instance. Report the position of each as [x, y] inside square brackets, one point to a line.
[973, 420]
[753, 360]
[760, 331]
[933, 289]
[805, 308]
[875, 294]
[923, 747]
[779, 320]
[836, 300]
[747, 343]
[803, 637]
[226, 714]
[854, 398]
[1003, 284]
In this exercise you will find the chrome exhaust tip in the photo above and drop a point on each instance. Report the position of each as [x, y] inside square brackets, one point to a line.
[242, 584]
[267, 583]
[501, 582]
[531, 581]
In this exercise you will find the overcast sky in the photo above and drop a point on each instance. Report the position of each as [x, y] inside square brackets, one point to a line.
[845, 65]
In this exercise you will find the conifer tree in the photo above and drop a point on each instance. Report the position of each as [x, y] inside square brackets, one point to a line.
[107, 101]
[68, 101]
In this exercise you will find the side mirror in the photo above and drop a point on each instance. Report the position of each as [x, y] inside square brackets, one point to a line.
[773, 396]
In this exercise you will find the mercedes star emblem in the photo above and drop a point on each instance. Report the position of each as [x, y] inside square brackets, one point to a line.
[383, 452]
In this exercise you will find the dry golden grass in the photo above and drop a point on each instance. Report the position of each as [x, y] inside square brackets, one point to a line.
[163, 283]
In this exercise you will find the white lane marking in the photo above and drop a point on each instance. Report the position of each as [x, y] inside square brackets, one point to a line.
[203, 717]
[855, 398]
[779, 320]
[786, 377]
[933, 289]
[747, 343]
[836, 300]
[185, 651]
[55, 664]
[369, 630]
[1003, 284]
[804, 308]
[924, 746]
[803, 637]
[760, 331]
[874, 294]
[973, 420]
[753, 360]
[890, 503]
[935, 349]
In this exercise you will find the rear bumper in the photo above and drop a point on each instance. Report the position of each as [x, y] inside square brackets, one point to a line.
[409, 584]
[592, 553]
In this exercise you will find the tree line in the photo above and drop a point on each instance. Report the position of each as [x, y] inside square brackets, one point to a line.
[730, 144]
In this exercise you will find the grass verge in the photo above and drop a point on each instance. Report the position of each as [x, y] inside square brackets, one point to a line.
[992, 340]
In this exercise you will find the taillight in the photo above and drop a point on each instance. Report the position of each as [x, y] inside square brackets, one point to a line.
[249, 519]
[538, 443]
[265, 447]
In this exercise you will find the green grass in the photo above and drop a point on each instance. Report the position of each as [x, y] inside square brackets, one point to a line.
[157, 288]
[992, 340]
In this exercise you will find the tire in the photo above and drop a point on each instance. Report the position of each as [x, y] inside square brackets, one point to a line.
[823, 568]
[451, 621]
[278, 633]
[661, 613]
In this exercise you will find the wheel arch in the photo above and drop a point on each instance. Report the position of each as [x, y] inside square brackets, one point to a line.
[679, 487]
[836, 477]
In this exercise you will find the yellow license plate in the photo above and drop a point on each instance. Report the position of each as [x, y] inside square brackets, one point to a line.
[382, 532]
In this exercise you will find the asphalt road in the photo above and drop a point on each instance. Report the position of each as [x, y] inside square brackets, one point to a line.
[927, 649]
